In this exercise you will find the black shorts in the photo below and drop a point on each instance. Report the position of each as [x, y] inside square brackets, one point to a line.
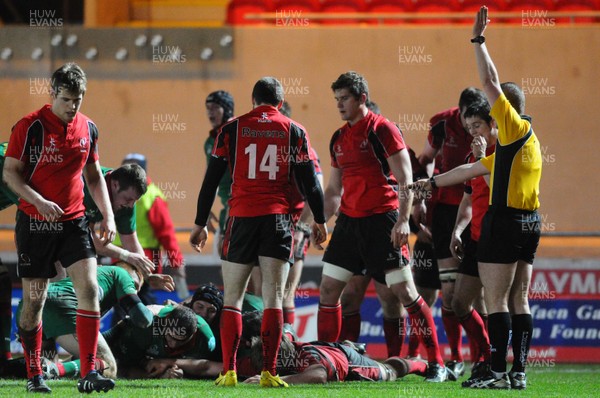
[424, 266]
[468, 265]
[41, 243]
[509, 235]
[444, 218]
[362, 245]
[247, 238]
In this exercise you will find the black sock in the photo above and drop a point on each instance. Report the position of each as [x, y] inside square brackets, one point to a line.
[522, 326]
[499, 326]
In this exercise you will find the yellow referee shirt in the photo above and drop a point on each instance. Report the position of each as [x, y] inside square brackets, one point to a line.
[516, 165]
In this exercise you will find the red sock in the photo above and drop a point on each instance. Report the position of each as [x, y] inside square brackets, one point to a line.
[270, 331]
[61, 369]
[31, 340]
[350, 326]
[453, 332]
[424, 327]
[289, 315]
[417, 367]
[231, 331]
[87, 327]
[413, 341]
[393, 329]
[329, 322]
[477, 333]
[473, 348]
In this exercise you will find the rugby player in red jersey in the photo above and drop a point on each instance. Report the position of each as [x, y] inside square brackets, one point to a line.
[255, 147]
[368, 186]
[47, 154]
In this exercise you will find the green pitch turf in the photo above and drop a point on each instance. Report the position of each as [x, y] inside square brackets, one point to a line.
[557, 381]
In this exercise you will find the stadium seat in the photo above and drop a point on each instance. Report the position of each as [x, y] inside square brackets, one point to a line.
[577, 5]
[475, 5]
[298, 5]
[333, 6]
[237, 9]
[389, 6]
[435, 6]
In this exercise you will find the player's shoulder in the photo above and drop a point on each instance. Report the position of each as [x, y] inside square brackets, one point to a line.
[28, 120]
[447, 114]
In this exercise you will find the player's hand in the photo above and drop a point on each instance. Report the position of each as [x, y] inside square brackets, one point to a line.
[107, 231]
[253, 380]
[141, 263]
[212, 220]
[156, 367]
[161, 282]
[174, 372]
[400, 233]
[318, 235]
[198, 237]
[170, 302]
[49, 211]
[481, 21]
[421, 185]
[478, 146]
[424, 234]
[456, 247]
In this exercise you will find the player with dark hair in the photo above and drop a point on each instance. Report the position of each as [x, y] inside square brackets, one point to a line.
[448, 142]
[117, 284]
[175, 332]
[48, 153]
[368, 180]
[318, 362]
[259, 225]
[510, 230]
[472, 207]
[219, 109]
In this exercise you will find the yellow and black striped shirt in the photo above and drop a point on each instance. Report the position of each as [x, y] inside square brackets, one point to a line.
[516, 165]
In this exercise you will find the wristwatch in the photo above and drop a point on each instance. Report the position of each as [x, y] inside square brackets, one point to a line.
[478, 39]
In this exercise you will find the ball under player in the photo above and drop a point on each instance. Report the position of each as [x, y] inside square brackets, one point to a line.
[259, 226]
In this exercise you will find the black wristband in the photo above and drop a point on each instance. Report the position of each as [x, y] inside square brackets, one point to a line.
[432, 182]
[478, 39]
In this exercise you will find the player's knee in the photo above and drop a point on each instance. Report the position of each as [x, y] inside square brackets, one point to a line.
[333, 282]
[460, 306]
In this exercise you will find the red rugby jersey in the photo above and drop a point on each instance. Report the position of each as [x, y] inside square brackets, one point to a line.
[54, 155]
[480, 197]
[297, 200]
[361, 153]
[333, 359]
[448, 135]
[261, 148]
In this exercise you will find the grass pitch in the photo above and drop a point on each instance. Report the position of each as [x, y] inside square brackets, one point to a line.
[556, 381]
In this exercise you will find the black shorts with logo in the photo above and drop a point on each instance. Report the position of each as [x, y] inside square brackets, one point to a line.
[509, 235]
[247, 238]
[362, 245]
[41, 243]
